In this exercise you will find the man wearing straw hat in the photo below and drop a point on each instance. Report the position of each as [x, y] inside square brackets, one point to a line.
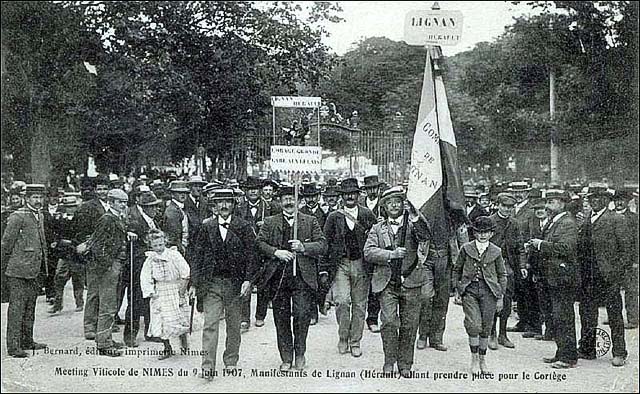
[291, 274]
[225, 259]
[176, 221]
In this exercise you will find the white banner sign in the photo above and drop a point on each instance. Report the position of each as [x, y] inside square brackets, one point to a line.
[296, 158]
[295, 102]
[433, 27]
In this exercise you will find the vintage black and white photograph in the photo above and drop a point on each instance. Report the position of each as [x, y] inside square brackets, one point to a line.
[319, 196]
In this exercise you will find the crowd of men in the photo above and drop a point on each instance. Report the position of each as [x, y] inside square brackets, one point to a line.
[362, 249]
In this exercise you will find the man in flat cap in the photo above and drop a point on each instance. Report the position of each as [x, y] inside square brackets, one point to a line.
[24, 251]
[557, 249]
[602, 275]
[507, 237]
[108, 246]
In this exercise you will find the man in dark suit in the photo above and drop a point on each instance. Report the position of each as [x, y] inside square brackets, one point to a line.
[176, 221]
[330, 199]
[507, 237]
[311, 194]
[269, 188]
[108, 245]
[371, 188]
[85, 221]
[346, 231]
[291, 274]
[607, 240]
[621, 199]
[557, 250]
[141, 221]
[255, 210]
[225, 259]
[473, 209]
[24, 252]
[401, 278]
[195, 208]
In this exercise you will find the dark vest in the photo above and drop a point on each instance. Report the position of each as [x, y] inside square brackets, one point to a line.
[351, 243]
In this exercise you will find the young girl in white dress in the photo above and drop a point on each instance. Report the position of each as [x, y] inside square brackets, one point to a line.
[164, 279]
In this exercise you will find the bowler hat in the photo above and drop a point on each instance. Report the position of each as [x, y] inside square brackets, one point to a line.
[270, 182]
[148, 198]
[482, 224]
[331, 191]
[178, 187]
[286, 189]
[396, 191]
[349, 185]
[371, 181]
[252, 182]
[309, 189]
[622, 195]
[102, 179]
[506, 199]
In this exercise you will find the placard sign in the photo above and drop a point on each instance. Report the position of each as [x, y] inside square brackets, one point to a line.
[433, 27]
[306, 159]
[295, 102]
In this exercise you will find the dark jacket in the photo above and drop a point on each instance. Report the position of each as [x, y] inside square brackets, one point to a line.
[508, 238]
[558, 253]
[491, 264]
[319, 214]
[611, 246]
[24, 245]
[380, 244]
[234, 258]
[311, 235]
[264, 210]
[173, 216]
[86, 219]
[335, 230]
[108, 244]
[137, 225]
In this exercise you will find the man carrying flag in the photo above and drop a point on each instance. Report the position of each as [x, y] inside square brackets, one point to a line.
[435, 188]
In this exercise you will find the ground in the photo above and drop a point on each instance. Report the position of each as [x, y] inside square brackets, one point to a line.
[518, 369]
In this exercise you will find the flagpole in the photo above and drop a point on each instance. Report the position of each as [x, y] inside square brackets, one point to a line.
[295, 218]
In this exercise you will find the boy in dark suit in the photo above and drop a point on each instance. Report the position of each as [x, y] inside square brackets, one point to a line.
[481, 280]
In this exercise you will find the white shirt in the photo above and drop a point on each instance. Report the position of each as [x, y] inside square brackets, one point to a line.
[553, 221]
[353, 212]
[520, 205]
[596, 215]
[254, 207]
[622, 212]
[185, 223]
[470, 208]
[371, 204]
[105, 205]
[395, 226]
[481, 246]
[288, 218]
[194, 200]
[223, 229]
[146, 218]
[52, 208]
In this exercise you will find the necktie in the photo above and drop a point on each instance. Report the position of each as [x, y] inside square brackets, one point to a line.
[225, 225]
[288, 218]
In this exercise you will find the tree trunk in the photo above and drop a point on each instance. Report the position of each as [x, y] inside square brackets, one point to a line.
[40, 156]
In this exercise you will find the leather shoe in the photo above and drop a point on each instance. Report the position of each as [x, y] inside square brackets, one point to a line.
[422, 343]
[517, 328]
[387, 368]
[110, 352]
[165, 354]
[244, 326]
[405, 373]
[618, 361]
[36, 346]
[562, 365]
[504, 341]
[131, 343]
[549, 360]
[117, 345]
[373, 327]
[439, 347]
[259, 323]
[285, 367]
[586, 356]
[493, 342]
[300, 363]
[90, 336]
[343, 347]
[631, 326]
[18, 354]
[356, 351]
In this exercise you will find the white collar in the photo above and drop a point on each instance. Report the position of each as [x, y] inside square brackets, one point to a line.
[105, 205]
[178, 203]
[481, 246]
[146, 217]
[622, 212]
[253, 204]
[113, 211]
[353, 211]
[558, 217]
[522, 204]
[597, 214]
[193, 199]
[399, 219]
[223, 221]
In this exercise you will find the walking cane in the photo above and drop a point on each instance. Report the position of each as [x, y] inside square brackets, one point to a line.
[131, 291]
